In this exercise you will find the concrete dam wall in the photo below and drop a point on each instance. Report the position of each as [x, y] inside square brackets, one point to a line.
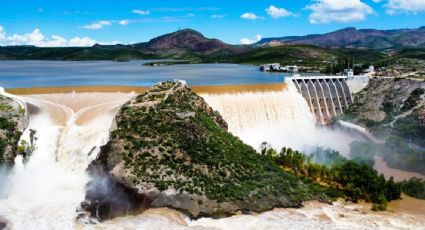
[327, 96]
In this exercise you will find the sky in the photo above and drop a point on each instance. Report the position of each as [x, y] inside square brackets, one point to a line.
[86, 22]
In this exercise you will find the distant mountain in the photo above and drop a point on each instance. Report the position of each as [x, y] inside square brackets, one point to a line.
[186, 39]
[194, 47]
[359, 39]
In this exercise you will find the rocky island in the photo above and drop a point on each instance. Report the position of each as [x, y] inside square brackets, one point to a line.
[168, 148]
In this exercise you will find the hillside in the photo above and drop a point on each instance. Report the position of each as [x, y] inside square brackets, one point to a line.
[186, 39]
[97, 52]
[313, 57]
[394, 110]
[359, 39]
[170, 149]
[12, 123]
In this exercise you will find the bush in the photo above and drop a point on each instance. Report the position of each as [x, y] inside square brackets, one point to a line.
[414, 187]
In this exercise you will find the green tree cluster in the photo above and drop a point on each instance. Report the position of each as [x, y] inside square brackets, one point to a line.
[356, 181]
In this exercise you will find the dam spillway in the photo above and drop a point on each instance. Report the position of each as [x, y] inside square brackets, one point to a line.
[327, 96]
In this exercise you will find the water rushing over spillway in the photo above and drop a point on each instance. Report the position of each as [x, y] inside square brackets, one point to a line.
[282, 118]
[45, 192]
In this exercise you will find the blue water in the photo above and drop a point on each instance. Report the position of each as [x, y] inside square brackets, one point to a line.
[23, 74]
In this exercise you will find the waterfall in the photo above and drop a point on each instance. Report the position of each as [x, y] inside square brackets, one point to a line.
[45, 192]
[244, 111]
[281, 118]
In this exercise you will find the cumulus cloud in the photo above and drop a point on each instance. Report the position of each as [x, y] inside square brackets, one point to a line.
[97, 25]
[141, 12]
[124, 22]
[405, 6]
[248, 41]
[250, 16]
[33, 38]
[327, 11]
[37, 38]
[275, 12]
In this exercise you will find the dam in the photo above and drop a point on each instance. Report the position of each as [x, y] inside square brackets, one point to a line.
[326, 96]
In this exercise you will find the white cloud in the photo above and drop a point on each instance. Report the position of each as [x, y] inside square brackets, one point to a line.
[327, 11]
[141, 12]
[218, 16]
[33, 38]
[2, 33]
[97, 25]
[124, 22]
[77, 41]
[36, 38]
[275, 12]
[248, 41]
[405, 6]
[250, 16]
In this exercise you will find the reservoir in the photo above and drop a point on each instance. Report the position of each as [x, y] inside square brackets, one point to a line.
[28, 74]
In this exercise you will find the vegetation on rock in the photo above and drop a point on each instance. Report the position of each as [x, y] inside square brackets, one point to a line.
[169, 141]
[10, 116]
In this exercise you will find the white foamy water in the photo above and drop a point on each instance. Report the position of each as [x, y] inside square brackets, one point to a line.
[44, 193]
[280, 118]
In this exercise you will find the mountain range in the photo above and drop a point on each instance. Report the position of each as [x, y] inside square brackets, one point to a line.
[357, 39]
[365, 45]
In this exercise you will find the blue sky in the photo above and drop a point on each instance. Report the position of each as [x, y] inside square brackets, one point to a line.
[79, 23]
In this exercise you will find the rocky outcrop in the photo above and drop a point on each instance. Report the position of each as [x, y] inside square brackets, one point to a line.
[385, 99]
[12, 124]
[393, 109]
[170, 149]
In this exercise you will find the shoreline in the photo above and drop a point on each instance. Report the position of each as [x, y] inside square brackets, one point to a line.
[213, 89]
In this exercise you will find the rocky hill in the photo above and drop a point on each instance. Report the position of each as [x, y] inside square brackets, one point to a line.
[353, 38]
[12, 124]
[186, 39]
[170, 149]
[394, 110]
